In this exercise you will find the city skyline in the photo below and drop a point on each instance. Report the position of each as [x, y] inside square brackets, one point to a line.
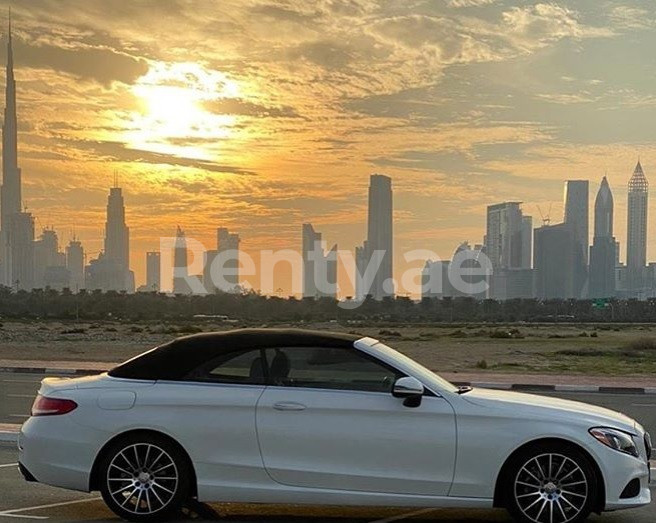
[67, 170]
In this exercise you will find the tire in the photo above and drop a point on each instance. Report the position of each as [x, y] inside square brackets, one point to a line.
[144, 478]
[550, 483]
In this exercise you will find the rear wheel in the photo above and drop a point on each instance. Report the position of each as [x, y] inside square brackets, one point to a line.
[551, 483]
[144, 477]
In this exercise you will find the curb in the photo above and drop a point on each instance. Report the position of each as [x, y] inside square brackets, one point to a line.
[47, 370]
[538, 387]
[7, 436]
[525, 387]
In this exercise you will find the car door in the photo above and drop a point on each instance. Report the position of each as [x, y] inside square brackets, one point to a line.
[212, 413]
[328, 420]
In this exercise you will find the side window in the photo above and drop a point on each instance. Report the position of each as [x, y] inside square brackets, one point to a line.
[245, 366]
[329, 368]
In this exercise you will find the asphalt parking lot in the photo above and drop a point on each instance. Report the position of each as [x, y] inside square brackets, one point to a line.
[30, 501]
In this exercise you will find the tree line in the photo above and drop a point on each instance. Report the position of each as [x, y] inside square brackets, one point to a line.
[253, 307]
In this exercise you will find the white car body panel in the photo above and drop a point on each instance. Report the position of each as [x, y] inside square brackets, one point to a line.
[348, 448]
[338, 439]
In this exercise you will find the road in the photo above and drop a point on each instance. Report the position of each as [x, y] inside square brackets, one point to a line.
[17, 391]
[28, 501]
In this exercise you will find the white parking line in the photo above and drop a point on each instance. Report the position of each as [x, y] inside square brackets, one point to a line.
[16, 512]
[643, 404]
[7, 465]
[407, 515]
[21, 516]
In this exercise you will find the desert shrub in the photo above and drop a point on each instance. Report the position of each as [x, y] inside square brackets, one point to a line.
[482, 364]
[74, 331]
[642, 344]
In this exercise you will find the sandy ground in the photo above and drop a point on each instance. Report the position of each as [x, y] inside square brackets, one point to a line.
[587, 349]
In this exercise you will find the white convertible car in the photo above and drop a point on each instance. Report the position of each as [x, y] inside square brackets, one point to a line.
[288, 416]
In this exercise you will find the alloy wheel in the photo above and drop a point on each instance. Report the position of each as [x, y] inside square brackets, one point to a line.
[142, 478]
[551, 488]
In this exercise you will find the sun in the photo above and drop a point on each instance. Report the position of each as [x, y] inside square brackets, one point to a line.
[173, 116]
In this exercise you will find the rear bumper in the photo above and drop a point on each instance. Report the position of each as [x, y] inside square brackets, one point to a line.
[26, 473]
[56, 451]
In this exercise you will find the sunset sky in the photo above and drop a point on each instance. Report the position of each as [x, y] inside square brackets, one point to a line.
[260, 116]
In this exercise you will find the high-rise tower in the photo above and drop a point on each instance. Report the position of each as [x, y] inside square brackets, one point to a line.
[377, 251]
[602, 252]
[319, 268]
[576, 216]
[10, 192]
[11, 174]
[636, 244]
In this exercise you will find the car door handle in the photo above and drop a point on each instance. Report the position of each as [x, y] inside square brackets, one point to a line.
[288, 405]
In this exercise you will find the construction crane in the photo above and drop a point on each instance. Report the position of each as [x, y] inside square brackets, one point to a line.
[546, 218]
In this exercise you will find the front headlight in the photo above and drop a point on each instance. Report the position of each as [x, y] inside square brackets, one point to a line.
[615, 439]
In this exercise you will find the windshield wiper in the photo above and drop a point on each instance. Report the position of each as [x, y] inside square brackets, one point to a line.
[464, 389]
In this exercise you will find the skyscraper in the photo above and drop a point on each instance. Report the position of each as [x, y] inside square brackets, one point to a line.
[10, 192]
[111, 270]
[576, 216]
[75, 264]
[508, 247]
[636, 245]
[227, 245]
[180, 265]
[46, 256]
[319, 268]
[602, 252]
[153, 270]
[379, 244]
[504, 234]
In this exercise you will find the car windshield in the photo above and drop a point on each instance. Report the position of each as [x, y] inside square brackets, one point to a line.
[417, 369]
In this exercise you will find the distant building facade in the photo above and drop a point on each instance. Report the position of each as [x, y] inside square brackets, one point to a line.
[508, 245]
[319, 268]
[20, 255]
[467, 274]
[227, 246]
[577, 217]
[75, 265]
[180, 264]
[153, 271]
[556, 250]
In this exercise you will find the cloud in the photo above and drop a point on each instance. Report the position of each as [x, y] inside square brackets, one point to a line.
[120, 152]
[238, 107]
[533, 27]
[103, 65]
[470, 3]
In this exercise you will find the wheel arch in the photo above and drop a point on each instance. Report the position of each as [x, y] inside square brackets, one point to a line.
[94, 476]
[499, 492]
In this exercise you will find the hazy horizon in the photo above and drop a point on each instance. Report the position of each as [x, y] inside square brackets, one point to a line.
[261, 116]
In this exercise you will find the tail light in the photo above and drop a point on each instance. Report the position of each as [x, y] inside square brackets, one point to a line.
[44, 406]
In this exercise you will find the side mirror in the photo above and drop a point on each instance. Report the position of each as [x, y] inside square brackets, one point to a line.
[410, 389]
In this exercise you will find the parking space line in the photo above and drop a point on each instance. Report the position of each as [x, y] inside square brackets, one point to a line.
[407, 515]
[17, 511]
[21, 516]
[7, 465]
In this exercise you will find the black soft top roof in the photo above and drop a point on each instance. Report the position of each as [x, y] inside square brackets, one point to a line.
[176, 359]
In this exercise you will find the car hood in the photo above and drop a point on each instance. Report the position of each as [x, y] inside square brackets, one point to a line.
[534, 406]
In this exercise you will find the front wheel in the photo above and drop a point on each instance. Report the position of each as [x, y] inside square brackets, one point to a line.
[144, 478]
[551, 484]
